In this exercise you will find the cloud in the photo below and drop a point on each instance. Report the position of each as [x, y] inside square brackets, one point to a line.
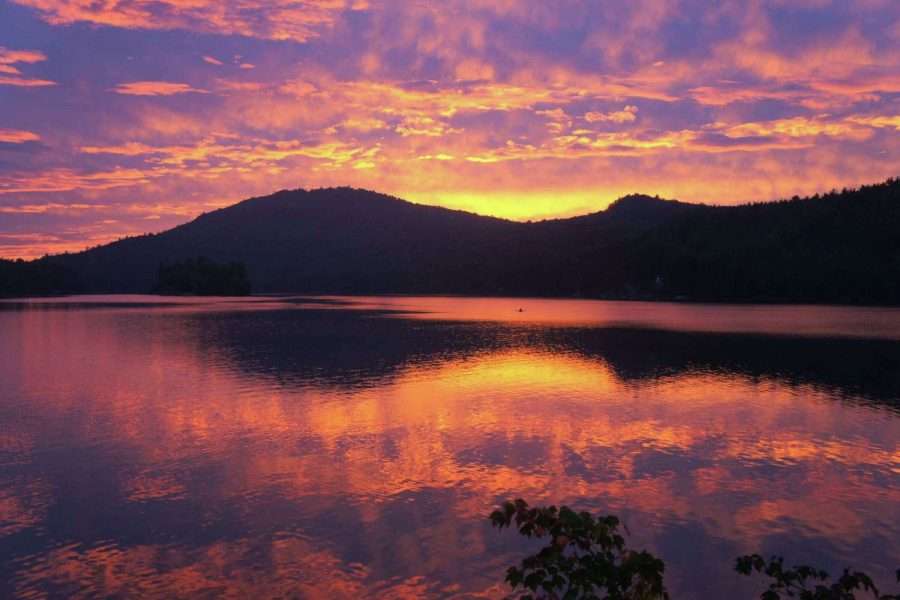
[364, 125]
[433, 98]
[72, 239]
[15, 136]
[25, 82]
[225, 85]
[728, 93]
[573, 147]
[626, 115]
[514, 108]
[878, 121]
[861, 83]
[49, 207]
[297, 20]
[11, 57]
[755, 136]
[851, 128]
[215, 155]
[155, 88]
[11, 75]
[436, 157]
[421, 125]
[63, 180]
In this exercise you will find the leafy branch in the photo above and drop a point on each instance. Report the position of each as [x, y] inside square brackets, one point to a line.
[808, 583]
[586, 557]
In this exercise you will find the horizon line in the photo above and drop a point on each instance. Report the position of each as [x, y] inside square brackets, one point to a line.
[524, 221]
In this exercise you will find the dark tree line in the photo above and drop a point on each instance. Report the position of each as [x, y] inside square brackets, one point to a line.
[194, 276]
[202, 277]
[840, 247]
[37, 278]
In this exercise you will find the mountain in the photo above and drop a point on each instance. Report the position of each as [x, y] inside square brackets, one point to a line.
[840, 247]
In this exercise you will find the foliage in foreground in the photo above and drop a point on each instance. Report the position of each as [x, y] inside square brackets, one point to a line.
[586, 558]
[808, 583]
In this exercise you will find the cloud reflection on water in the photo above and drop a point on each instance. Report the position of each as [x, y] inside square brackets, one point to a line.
[337, 453]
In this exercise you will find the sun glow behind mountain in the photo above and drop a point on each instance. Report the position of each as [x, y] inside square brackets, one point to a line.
[122, 118]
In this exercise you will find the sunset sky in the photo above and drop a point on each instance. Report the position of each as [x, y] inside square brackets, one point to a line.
[120, 117]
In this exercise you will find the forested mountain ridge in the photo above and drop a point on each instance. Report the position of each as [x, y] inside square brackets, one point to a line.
[839, 247]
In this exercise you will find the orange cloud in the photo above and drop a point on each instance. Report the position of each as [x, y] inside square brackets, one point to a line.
[424, 126]
[433, 99]
[865, 84]
[155, 88]
[297, 20]
[11, 57]
[221, 157]
[626, 115]
[63, 180]
[443, 103]
[727, 93]
[49, 207]
[878, 122]
[849, 128]
[364, 125]
[11, 75]
[23, 82]
[15, 136]
[36, 245]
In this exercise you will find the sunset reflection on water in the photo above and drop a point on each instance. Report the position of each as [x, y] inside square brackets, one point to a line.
[281, 447]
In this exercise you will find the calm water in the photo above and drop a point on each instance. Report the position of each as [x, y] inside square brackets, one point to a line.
[339, 447]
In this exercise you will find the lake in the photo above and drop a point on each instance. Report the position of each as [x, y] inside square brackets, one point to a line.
[347, 447]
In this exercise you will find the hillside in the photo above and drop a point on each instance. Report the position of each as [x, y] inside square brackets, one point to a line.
[841, 247]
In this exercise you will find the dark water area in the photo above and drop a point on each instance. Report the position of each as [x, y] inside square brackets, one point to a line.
[353, 447]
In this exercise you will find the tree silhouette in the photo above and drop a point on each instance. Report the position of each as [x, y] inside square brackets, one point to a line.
[587, 559]
[202, 277]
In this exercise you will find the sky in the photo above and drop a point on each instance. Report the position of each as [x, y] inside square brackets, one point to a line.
[121, 117]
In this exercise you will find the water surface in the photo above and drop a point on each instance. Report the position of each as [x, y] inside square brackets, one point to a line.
[347, 447]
